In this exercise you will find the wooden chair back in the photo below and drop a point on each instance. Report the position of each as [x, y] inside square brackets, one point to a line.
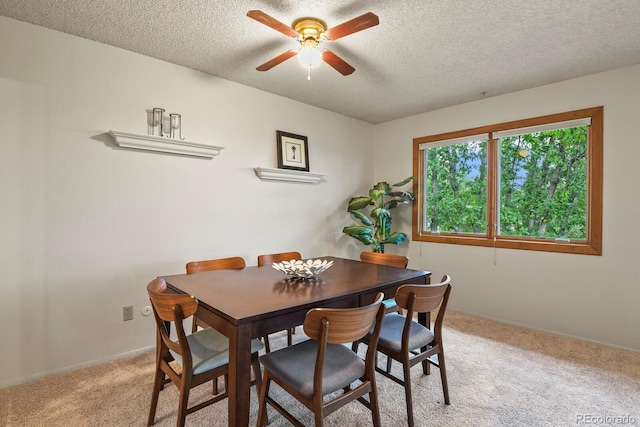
[329, 326]
[267, 259]
[235, 262]
[171, 309]
[345, 325]
[165, 304]
[426, 298]
[384, 259]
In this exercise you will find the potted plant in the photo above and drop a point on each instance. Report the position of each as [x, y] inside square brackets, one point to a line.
[376, 224]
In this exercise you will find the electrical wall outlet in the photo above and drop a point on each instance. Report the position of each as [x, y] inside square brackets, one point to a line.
[146, 311]
[127, 312]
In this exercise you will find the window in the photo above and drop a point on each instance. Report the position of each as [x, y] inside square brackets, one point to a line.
[529, 184]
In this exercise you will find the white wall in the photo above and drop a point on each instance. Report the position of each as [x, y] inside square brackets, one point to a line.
[85, 225]
[596, 298]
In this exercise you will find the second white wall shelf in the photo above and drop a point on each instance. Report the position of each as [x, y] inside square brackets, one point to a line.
[165, 145]
[288, 175]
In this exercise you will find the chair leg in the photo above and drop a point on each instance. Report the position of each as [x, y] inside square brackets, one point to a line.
[267, 347]
[426, 364]
[257, 373]
[289, 337]
[182, 406]
[373, 402]
[443, 377]
[157, 384]
[262, 403]
[407, 390]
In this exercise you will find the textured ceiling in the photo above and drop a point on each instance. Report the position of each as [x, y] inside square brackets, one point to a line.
[424, 55]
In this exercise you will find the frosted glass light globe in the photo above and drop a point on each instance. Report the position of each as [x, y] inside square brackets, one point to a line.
[309, 57]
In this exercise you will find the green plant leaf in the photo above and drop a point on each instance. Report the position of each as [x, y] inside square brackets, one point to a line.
[355, 230]
[357, 203]
[396, 238]
[363, 234]
[402, 196]
[403, 182]
[382, 186]
[380, 213]
[398, 197]
[363, 218]
[365, 239]
[376, 195]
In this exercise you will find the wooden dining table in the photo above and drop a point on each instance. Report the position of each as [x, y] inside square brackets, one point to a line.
[252, 302]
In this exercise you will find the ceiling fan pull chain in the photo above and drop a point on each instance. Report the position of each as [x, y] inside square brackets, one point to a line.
[309, 73]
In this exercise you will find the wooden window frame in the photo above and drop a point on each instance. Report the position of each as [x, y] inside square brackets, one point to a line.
[592, 245]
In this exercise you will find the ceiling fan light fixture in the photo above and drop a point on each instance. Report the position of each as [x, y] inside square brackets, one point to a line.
[309, 57]
[310, 32]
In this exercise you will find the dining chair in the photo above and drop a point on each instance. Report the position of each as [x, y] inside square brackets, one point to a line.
[312, 369]
[215, 264]
[235, 262]
[279, 257]
[268, 259]
[392, 260]
[200, 357]
[408, 342]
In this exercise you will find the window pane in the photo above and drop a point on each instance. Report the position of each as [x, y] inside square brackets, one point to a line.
[456, 188]
[543, 184]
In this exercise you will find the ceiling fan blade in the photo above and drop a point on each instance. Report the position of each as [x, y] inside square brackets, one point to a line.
[267, 20]
[277, 60]
[336, 62]
[354, 25]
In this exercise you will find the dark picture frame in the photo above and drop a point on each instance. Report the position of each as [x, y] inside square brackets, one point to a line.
[293, 151]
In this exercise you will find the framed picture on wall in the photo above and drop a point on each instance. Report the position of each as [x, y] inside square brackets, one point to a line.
[293, 151]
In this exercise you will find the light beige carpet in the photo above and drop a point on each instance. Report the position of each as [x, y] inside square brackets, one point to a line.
[499, 375]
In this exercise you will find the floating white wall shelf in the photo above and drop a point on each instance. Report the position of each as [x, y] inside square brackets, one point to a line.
[165, 145]
[288, 175]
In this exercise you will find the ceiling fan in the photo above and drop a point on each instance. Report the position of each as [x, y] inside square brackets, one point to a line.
[310, 32]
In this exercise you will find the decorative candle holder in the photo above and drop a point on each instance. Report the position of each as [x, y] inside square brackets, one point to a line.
[166, 126]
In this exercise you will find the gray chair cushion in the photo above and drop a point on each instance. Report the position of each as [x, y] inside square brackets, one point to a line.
[389, 303]
[391, 333]
[210, 349]
[295, 366]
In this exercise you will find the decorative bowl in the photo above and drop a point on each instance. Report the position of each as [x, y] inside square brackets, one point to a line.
[302, 269]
